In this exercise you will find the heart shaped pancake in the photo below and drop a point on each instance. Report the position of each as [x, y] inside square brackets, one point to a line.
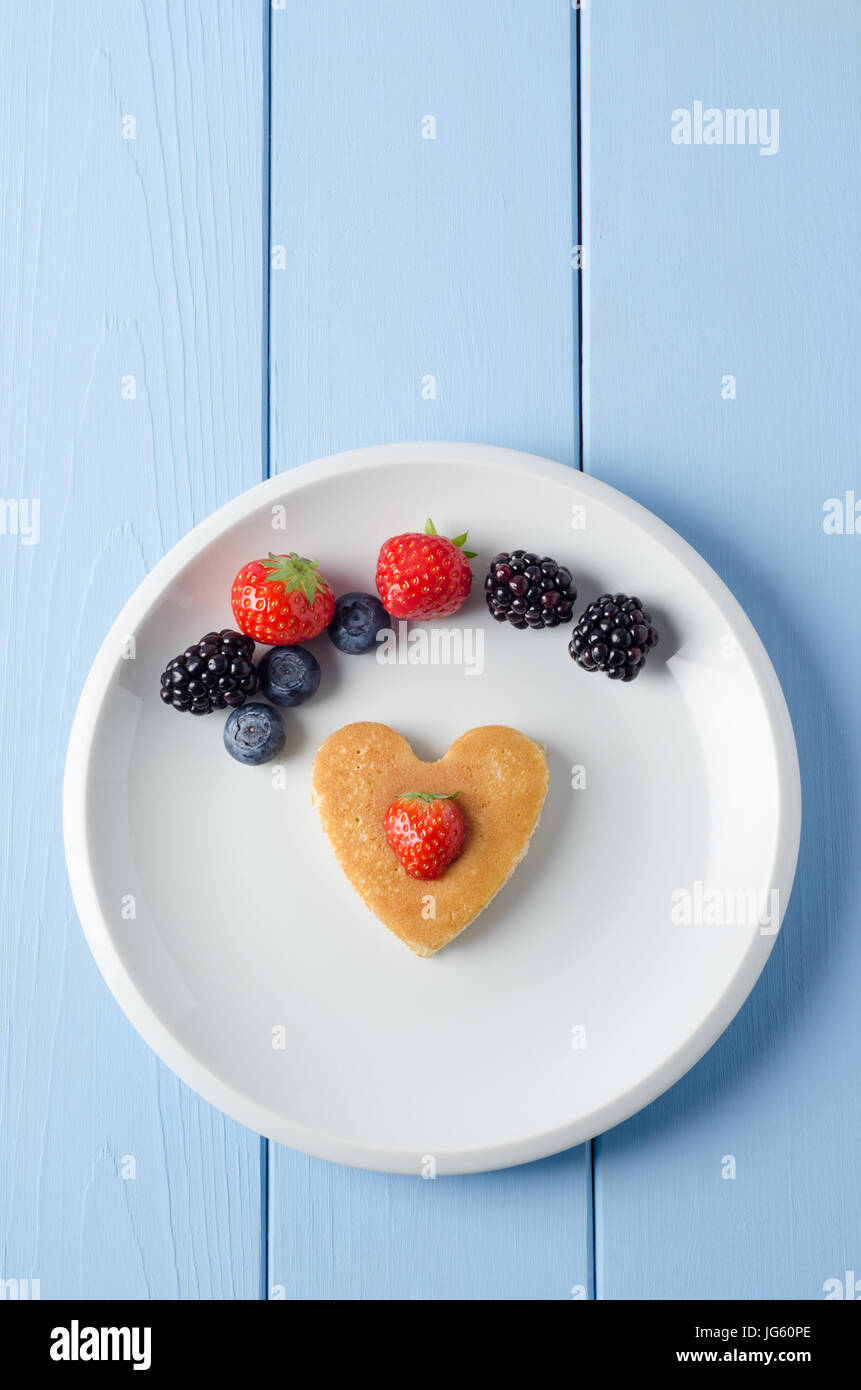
[502, 779]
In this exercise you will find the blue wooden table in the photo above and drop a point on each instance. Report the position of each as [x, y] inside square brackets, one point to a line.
[237, 235]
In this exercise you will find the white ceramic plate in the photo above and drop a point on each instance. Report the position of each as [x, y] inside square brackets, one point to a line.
[578, 995]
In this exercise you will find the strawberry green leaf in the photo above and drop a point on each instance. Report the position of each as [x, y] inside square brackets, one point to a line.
[460, 542]
[428, 796]
[295, 572]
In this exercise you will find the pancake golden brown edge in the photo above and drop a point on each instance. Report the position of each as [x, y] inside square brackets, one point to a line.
[502, 779]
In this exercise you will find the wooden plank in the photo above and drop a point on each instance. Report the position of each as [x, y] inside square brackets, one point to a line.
[426, 289]
[421, 192]
[721, 343]
[339, 1233]
[131, 236]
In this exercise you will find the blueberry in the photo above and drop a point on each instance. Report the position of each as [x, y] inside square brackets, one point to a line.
[356, 621]
[253, 734]
[288, 675]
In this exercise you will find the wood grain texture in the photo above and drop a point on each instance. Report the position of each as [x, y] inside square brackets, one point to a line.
[408, 258]
[420, 288]
[340, 1233]
[703, 262]
[121, 257]
[425, 294]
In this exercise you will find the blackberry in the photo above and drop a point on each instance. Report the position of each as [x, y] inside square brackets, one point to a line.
[526, 591]
[614, 635]
[214, 673]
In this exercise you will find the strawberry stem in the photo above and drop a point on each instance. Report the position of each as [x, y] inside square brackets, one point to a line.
[295, 572]
[459, 541]
[429, 796]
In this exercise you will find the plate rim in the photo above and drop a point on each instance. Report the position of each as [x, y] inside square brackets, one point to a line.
[164, 1042]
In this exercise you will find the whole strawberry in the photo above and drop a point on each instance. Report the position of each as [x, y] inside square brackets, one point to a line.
[426, 830]
[423, 575]
[282, 600]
